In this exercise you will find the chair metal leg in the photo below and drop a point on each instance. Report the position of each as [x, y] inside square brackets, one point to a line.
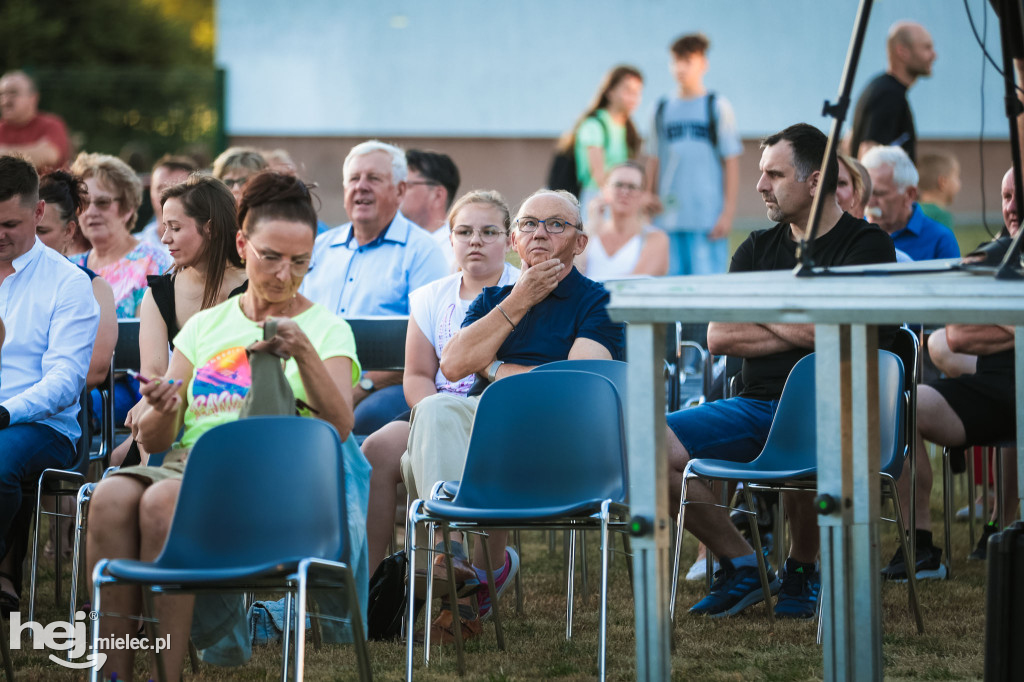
[454, 600]
[551, 541]
[762, 566]
[997, 458]
[680, 524]
[492, 588]
[627, 548]
[985, 473]
[35, 557]
[149, 611]
[915, 607]
[517, 541]
[821, 616]
[602, 647]
[300, 623]
[410, 607]
[947, 510]
[286, 639]
[570, 582]
[677, 553]
[584, 569]
[970, 501]
[82, 499]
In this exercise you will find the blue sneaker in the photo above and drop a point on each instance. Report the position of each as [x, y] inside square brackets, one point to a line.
[733, 590]
[801, 585]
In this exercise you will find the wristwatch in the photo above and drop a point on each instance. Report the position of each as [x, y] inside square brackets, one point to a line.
[366, 383]
[492, 371]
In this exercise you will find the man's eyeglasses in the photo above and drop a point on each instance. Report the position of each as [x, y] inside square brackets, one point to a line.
[428, 183]
[272, 262]
[552, 225]
[101, 203]
[487, 234]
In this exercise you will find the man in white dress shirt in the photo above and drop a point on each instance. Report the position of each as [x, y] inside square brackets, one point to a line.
[51, 317]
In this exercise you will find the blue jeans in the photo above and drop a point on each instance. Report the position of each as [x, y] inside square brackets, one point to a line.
[735, 429]
[692, 253]
[378, 408]
[25, 450]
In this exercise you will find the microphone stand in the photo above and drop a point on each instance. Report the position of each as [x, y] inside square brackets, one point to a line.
[805, 250]
[1007, 10]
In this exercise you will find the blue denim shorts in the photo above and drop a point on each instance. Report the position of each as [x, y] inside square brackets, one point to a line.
[734, 429]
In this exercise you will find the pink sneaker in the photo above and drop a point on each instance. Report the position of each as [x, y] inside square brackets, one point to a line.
[483, 596]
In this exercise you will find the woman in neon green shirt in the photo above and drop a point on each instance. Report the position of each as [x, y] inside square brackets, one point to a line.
[205, 384]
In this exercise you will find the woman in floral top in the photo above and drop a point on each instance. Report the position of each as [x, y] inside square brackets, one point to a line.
[107, 218]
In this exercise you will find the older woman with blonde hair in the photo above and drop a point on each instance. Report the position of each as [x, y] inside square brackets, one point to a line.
[107, 218]
[236, 165]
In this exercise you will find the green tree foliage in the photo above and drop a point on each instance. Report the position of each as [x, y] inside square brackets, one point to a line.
[124, 74]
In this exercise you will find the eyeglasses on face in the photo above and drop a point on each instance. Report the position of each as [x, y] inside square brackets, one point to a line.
[272, 261]
[101, 203]
[488, 234]
[552, 225]
[427, 183]
[235, 182]
[625, 187]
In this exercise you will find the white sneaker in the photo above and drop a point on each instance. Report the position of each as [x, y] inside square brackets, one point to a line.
[699, 570]
[963, 514]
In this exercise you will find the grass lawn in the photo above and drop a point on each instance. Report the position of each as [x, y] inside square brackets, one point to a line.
[740, 648]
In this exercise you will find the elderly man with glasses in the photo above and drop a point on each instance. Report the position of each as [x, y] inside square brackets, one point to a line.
[551, 313]
[368, 267]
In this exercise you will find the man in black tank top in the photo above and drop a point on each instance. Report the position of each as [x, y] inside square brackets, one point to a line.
[737, 428]
[971, 409]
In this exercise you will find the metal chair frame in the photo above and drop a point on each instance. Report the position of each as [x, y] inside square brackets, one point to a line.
[498, 406]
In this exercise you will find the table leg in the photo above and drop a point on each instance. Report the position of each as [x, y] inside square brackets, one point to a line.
[848, 462]
[648, 498]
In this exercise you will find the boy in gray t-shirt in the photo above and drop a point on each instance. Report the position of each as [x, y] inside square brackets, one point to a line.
[697, 147]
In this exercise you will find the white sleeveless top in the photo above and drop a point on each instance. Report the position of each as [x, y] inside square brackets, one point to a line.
[601, 266]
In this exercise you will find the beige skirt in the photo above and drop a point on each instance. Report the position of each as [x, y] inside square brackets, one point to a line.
[173, 466]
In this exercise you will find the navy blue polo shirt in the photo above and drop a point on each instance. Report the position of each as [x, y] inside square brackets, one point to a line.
[576, 308]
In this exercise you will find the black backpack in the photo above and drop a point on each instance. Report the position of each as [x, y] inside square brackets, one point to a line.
[563, 173]
[388, 598]
[659, 117]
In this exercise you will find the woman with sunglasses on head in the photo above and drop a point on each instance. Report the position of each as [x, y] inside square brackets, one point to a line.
[205, 385]
[626, 244]
[199, 228]
[480, 237]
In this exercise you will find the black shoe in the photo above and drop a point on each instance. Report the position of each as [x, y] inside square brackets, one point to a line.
[980, 552]
[929, 565]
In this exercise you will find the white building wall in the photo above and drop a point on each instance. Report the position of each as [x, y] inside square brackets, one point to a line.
[526, 68]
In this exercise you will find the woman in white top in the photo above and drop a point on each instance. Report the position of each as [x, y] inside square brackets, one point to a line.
[626, 244]
[480, 237]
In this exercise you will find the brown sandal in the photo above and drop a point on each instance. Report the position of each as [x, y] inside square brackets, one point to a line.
[441, 629]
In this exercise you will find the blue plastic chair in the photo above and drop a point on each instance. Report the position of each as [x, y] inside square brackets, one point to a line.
[547, 450]
[789, 458]
[290, 465]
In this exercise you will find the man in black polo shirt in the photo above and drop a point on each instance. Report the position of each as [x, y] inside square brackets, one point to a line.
[736, 429]
[883, 115]
[551, 313]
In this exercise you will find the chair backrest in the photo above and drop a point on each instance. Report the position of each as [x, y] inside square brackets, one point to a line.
[612, 370]
[380, 342]
[126, 352]
[84, 446]
[259, 490]
[793, 439]
[548, 438]
[906, 345]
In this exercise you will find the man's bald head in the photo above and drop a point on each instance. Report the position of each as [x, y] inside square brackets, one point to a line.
[910, 50]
